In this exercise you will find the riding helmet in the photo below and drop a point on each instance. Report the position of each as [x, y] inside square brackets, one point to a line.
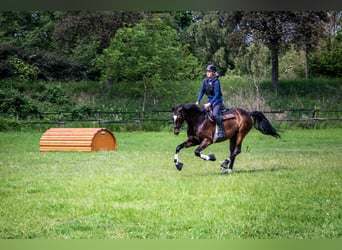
[211, 68]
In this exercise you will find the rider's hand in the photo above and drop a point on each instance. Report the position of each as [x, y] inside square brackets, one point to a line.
[197, 103]
[207, 105]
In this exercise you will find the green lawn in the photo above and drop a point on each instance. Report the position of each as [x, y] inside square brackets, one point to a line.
[287, 188]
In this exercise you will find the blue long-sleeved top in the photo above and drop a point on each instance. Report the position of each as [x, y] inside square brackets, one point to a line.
[212, 88]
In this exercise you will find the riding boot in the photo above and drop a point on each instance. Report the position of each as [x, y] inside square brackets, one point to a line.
[220, 131]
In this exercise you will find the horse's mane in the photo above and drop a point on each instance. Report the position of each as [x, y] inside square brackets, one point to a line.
[193, 108]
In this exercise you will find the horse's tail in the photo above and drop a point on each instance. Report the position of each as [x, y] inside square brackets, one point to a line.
[262, 124]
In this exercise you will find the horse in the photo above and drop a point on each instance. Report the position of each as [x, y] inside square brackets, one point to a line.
[202, 131]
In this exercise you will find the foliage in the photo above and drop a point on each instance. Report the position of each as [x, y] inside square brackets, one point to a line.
[256, 61]
[277, 29]
[22, 70]
[72, 32]
[27, 64]
[77, 97]
[149, 54]
[54, 97]
[55, 67]
[62, 45]
[300, 94]
[28, 29]
[13, 101]
[292, 64]
[82, 112]
[10, 124]
[327, 63]
[150, 49]
[206, 37]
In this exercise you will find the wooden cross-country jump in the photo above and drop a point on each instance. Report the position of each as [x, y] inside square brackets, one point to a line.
[77, 139]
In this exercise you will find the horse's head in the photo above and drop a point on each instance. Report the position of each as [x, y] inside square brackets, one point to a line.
[178, 118]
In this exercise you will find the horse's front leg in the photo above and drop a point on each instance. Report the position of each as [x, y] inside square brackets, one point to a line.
[186, 144]
[205, 143]
[179, 165]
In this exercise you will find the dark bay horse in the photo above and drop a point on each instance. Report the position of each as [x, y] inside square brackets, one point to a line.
[202, 131]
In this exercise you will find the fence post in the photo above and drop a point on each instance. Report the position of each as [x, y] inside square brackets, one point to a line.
[314, 113]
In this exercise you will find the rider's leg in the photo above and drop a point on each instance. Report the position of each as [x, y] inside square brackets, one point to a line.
[218, 119]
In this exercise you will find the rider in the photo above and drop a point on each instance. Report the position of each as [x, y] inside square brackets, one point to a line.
[212, 88]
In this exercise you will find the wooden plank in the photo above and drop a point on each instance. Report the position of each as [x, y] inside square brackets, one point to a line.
[68, 148]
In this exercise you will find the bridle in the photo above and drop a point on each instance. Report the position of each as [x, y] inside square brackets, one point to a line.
[178, 119]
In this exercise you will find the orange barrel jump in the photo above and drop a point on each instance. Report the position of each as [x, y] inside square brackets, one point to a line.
[77, 139]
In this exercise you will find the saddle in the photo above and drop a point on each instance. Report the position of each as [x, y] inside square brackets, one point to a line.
[226, 114]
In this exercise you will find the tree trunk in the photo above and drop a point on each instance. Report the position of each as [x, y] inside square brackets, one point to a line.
[144, 102]
[306, 63]
[275, 66]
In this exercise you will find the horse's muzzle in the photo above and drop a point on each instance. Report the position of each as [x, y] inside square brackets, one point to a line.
[176, 131]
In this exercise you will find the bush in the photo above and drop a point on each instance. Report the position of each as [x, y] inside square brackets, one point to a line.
[28, 64]
[22, 70]
[13, 101]
[54, 97]
[55, 67]
[327, 64]
[9, 124]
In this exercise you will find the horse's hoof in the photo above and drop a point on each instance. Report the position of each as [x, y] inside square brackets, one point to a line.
[179, 166]
[212, 157]
[223, 167]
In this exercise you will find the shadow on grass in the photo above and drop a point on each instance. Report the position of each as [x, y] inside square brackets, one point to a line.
[257, 170]
[247, 171]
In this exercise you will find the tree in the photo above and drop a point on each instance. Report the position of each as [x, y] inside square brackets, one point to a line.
[334, 30]
[273, 28]
[29, 29]
[76, 27]
[149, 54]
[278, 29]
[326, 61]
[81, 35]
[206, 37]
[256, 59]
[309, 26]
[27, 50]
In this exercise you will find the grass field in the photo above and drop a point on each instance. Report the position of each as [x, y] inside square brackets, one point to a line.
[287, 188]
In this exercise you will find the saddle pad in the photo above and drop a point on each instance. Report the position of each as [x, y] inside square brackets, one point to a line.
[226, 114]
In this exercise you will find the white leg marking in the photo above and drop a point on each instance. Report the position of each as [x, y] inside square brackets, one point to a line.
[205, 157]
[176, 158]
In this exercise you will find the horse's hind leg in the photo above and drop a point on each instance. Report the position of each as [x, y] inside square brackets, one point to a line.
[225, 166]
[235, 149]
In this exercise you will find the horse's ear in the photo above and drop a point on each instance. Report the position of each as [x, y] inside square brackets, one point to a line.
[180, 107]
